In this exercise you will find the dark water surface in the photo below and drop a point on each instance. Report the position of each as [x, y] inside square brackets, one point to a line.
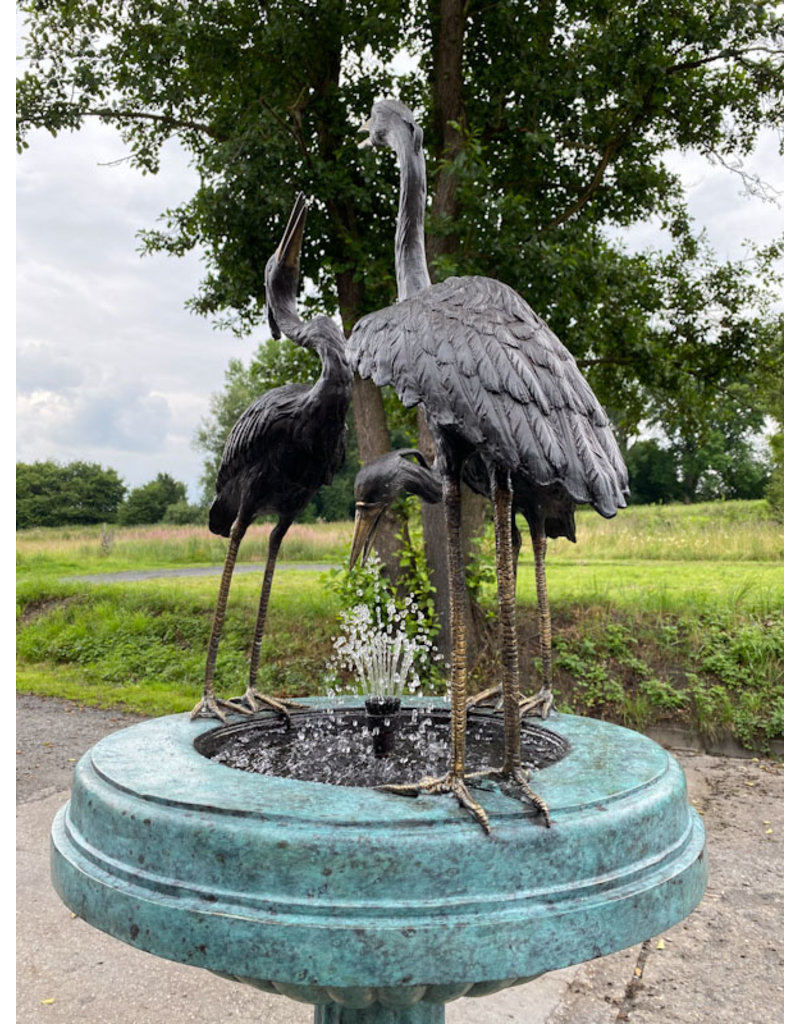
[336, 746]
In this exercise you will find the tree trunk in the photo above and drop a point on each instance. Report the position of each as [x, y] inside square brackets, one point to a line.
[372, 432]
[447, 83]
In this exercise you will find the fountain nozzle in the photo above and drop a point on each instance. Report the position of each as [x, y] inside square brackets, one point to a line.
[383, 715]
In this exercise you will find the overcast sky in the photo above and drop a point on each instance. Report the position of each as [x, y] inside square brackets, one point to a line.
[111, 368]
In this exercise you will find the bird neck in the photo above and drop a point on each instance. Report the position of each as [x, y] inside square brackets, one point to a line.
[323, 336]
[411, 268]
[284, 309]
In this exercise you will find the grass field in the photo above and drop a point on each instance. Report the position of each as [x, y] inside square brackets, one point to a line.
[93, 549]
[670, 613]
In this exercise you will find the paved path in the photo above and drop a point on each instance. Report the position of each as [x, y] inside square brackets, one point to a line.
[195, 570]
[723, 964]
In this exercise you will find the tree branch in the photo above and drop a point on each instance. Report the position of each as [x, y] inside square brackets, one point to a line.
[690, 65]
[608, 154]
[111, 113]
[293, 130]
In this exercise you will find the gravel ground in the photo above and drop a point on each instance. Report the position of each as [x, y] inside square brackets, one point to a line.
[724, 963]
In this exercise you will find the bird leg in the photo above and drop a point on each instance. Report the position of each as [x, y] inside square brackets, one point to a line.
[251, 698]
[210, 706]
[453, 781]
[542, 702]
[495, 693]
[502, 504]
[449, 783]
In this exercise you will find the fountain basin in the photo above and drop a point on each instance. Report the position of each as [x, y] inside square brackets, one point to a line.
[346, 895]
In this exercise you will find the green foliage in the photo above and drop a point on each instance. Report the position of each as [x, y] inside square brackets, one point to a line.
[717, 346]
[261, 97]
[653, 474]
[49, 494]
[713, 673]
[149, 503]
[181, 513]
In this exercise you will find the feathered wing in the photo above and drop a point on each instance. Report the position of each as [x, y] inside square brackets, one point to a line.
[276, 457]
[486, 368]
[269, 418]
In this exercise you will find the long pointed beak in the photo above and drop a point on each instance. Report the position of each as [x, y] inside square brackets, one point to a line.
[288, 252]
[366, 523]
[366, 127]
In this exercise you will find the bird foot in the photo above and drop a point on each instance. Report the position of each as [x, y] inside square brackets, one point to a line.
[493, 693]
[211, 707]
[449, 783]
[519, 777]
[540, 704]
[256, 701]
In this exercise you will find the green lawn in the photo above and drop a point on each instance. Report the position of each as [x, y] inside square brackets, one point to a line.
[676, 587]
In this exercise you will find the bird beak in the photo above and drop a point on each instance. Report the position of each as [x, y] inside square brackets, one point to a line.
[366, 127]
[288, 252]
[366, 523]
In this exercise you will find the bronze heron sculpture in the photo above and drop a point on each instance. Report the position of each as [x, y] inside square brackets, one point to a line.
[281, 450]
[494, 381]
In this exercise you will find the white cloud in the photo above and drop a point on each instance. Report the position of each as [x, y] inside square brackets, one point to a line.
[719, 202]
[111, 367]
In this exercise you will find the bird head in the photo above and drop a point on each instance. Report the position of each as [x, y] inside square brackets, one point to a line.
[379, 483]
[391, 124]
[282, 272]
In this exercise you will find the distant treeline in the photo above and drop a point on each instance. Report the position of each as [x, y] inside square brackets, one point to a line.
[51, 494]
[81, 493]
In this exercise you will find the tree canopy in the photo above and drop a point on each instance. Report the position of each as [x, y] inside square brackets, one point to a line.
[149, 503]
[545, 124]
[49, 494]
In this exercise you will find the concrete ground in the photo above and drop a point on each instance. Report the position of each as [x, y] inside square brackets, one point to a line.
[723, 964]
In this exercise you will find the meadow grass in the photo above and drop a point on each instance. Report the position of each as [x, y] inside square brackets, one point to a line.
[93, 549]
[715, 531]
[667, 613]
[668, 587]
[719, 531]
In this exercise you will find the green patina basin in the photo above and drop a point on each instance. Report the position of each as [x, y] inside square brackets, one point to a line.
[357, 898]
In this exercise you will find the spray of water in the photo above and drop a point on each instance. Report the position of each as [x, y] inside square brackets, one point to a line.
[376, 647]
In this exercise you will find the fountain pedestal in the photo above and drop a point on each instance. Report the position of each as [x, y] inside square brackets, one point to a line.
[375, 907]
